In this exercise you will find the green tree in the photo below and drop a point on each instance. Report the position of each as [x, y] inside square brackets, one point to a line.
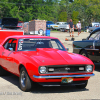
[62, 17]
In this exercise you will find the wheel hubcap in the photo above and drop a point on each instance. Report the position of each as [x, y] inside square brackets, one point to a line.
[83, 54]
[23, 78]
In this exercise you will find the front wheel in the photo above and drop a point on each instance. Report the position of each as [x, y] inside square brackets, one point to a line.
[84, 53]
[24, 80]
[83, 85]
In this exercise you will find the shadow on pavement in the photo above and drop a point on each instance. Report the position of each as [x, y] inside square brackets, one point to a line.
[39, 89]
[66, 89]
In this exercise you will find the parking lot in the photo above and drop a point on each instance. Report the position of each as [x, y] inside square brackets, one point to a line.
[9, 85]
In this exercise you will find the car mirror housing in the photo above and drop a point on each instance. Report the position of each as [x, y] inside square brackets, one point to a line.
[10, 49]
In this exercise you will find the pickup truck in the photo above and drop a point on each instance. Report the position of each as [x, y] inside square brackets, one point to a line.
[57, 25]
[64, 27]
[93, 26]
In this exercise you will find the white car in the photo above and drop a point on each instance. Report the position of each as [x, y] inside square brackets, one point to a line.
[56, 25]
[64, 27]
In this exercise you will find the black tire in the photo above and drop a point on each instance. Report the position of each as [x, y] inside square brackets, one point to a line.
[51, 28]
[3, 72]
[84, 53]
[24, 80]
[61, 29]
[82, 86]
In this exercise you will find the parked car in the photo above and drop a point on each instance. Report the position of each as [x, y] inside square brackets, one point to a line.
[56, 25]
[43, 60]
[48, 23]
[93, 26]
[75, 28]
[20, 24]
[89, 47]
[64, 27]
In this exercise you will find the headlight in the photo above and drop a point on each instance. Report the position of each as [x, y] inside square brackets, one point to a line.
[42, 69]
[89, 68]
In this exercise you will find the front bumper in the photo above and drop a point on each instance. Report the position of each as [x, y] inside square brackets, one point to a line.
[52, 77]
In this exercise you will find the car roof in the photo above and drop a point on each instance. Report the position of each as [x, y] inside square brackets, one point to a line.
[31, 36]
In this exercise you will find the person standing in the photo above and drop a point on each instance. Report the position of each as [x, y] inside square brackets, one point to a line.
[78, 27]
[71, 27]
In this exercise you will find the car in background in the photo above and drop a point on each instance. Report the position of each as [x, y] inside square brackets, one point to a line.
[20, 24]
[93, 26]
[48, 23]
[75, 28]
[89, 47]
[56, 25]
[64, 27]
[43, 60]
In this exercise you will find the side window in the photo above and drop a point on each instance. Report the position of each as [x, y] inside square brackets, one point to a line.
[10, 43]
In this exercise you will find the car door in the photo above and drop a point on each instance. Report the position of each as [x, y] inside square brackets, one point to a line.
[6, 57]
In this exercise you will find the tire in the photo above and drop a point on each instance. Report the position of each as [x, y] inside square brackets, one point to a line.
[24, 80]
[51, 28]
[84, 53]
[61, 29]
[82, 86]
[3, 72]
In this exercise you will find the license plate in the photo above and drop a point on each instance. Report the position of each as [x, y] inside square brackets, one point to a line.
[66, 80]
[55, 26]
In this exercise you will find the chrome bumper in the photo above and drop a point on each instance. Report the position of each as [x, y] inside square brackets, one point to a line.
[84, 75]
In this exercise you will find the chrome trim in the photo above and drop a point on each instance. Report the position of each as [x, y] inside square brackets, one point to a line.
[84, 75]
[87, 49]
[94, 45]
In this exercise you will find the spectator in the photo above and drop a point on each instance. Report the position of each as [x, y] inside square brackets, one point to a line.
[78, 27]
[71, 27]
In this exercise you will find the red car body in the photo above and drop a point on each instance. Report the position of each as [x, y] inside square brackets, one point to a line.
[59, 64]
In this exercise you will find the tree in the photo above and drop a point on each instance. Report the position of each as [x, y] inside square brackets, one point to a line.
[62, 17]
[75, 16]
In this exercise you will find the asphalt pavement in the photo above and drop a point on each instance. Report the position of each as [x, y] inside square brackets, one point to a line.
[9, 85]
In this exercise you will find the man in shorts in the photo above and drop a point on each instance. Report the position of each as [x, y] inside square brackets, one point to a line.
[78, 27]
[71, 27]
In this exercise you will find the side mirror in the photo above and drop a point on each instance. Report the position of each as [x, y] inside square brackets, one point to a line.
[10, 49]
[67, 49]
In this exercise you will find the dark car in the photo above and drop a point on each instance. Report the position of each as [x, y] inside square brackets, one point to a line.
[89, 47]
[48, 23]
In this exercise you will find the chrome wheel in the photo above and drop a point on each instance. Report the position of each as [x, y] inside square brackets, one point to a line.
[23, 78]
[84, 53]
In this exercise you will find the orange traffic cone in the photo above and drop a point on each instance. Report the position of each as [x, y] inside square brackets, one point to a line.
[66, 39]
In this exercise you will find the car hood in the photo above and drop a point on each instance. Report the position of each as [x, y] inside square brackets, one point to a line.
[9, 21]
[45, 56]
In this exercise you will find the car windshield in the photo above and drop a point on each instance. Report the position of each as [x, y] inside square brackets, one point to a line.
[30, 44]
[50, 23]
[95, 36]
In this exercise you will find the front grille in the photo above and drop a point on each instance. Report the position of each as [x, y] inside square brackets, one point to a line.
[66, 69]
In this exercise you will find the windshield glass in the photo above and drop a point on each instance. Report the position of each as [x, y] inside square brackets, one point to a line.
[32, 43]
[95, 36]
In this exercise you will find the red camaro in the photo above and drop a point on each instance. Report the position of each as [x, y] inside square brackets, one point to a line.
[43, 60]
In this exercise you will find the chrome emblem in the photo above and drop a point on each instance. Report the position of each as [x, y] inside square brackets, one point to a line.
[67, 68]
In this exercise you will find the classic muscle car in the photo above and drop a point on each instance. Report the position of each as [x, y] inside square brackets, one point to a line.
[43, 60]
[89, 47]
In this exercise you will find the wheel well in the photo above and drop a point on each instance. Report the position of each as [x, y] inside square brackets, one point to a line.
[20, 66]
[81, 50]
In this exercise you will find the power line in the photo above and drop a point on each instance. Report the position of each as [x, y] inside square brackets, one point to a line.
[28, 4]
